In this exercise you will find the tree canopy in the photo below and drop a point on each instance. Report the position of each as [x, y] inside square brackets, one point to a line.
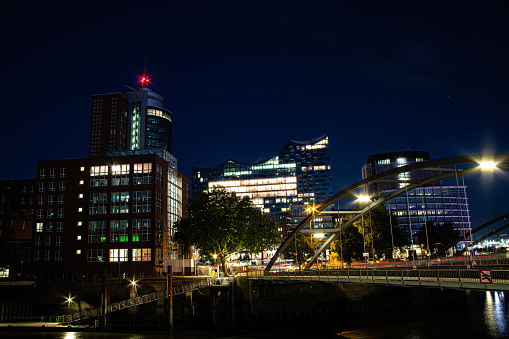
[438, 235]
[301, 250]
[377, 230]
[222, 223]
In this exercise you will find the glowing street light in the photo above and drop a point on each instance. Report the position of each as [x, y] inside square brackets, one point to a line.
[364, 198]
[68, 300]
[488, 165]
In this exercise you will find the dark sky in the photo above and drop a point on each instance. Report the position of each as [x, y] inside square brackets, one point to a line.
[241, 77]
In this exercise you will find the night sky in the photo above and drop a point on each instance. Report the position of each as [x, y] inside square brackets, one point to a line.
[242, 77]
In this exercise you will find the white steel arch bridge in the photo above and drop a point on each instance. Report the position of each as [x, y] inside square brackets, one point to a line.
[446, 168]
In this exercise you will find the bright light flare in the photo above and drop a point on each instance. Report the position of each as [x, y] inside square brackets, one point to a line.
[488, 165]
[311, 209]
[364, 198]
[68, 299]
[144, 80]
[318, 235]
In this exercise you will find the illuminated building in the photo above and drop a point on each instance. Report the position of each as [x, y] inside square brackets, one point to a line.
[135, 121]
[110, 211]
[300, 173]
[151, 126]
[437, 202]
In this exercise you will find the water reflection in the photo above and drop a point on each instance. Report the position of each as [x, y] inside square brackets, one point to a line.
[495, 314]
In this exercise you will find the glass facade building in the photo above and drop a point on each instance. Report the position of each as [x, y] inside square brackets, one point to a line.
[437, 202]
[300, 173]
[151, 125]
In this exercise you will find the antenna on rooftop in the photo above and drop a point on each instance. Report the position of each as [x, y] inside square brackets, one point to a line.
[144, 79]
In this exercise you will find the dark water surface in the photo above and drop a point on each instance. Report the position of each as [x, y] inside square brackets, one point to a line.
[483, 315]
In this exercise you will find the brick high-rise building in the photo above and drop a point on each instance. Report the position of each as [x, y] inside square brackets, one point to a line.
[115, 211]
[108, 124]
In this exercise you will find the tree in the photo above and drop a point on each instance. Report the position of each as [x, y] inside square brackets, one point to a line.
[351, 241]
[379, 230]
[300, 250]
[383, 237]
[437, 234]
[223, 224]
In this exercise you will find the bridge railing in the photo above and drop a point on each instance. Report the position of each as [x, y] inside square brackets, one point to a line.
[139, 300]
[363, 274]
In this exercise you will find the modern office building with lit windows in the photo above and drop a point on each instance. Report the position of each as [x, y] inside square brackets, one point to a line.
[151, 125]
[437, 202]
[112, 211]
[131, 122]
[299, 173]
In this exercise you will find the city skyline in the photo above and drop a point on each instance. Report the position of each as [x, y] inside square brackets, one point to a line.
[241, 79]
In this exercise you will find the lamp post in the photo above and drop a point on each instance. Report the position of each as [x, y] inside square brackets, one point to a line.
[134, 288]
[365, 198]
[68, 300]
[312, 210]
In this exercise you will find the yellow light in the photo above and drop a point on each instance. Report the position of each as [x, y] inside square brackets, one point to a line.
[215, 256]
[363, 198]
[318, 235]
[488, 165]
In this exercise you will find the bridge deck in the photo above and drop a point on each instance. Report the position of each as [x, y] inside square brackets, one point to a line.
[492, 280]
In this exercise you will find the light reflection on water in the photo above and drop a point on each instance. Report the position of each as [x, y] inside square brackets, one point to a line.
[495, 314]
[483, 315]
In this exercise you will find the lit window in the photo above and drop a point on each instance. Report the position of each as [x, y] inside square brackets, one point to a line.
[82, 169]
[80, 196]
[39, 227]
[78, 252]
[82, 182]
[78, 237]
[80, 209]
[80, 223]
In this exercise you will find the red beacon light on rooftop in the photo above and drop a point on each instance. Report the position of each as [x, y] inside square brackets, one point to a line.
[145, 80]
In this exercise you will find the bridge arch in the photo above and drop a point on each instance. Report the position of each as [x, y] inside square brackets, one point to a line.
[502, 161]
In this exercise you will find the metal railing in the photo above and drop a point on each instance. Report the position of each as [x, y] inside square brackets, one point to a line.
[430, 277]
[142, 299]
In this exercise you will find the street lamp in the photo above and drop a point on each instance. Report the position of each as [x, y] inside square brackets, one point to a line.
[488, 165]
[367, 199]
[68, 300]
[134, 288]
[312, 210]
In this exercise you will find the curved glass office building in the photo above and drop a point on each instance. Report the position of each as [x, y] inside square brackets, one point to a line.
[300, 173]
[151, 125]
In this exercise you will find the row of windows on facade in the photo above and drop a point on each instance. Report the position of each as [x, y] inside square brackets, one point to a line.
[52, 186]
[141, 204]
[52, 173]
[51, 199]
[404, 212]
[447, 207]
[98, 255]
[440, 219]
[434, 199]
[118, 232]
[100, 225]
